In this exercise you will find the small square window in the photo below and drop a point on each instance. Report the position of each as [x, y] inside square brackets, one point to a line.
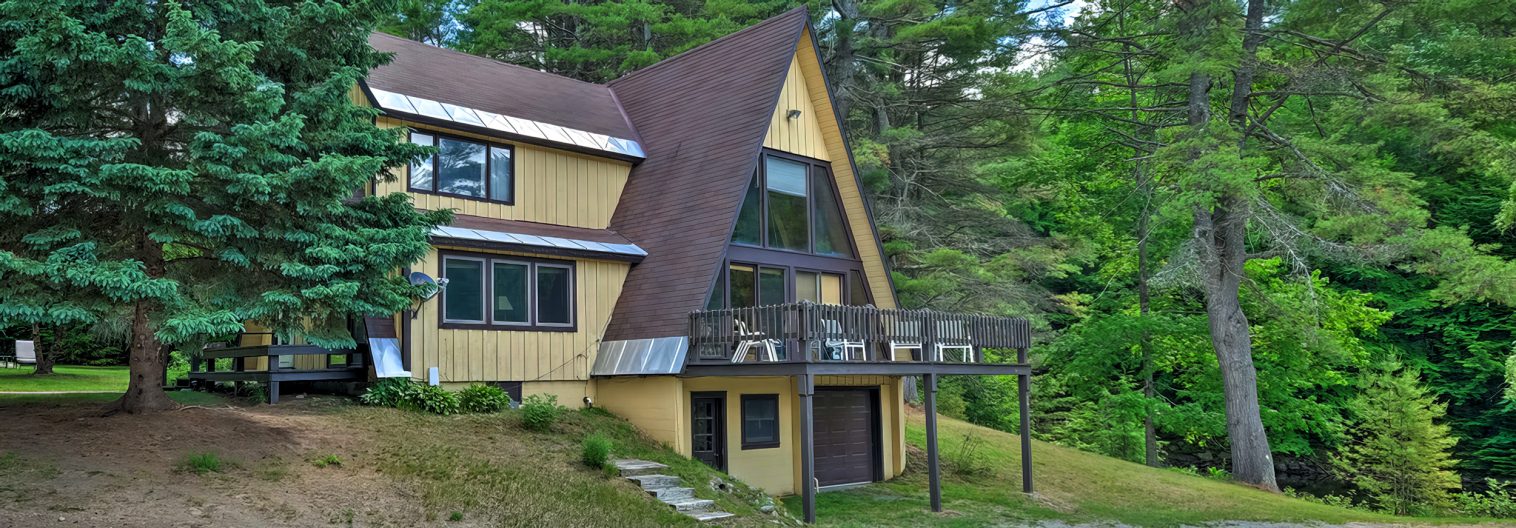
[760, 421]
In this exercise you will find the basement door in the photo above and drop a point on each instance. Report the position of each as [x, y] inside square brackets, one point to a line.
[847, 436]
[708, 428]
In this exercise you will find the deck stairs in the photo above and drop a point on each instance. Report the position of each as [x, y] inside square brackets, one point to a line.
[668, 489]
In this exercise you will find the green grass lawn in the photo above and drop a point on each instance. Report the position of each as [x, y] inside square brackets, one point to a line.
[34, 400]
[64, 378]
[1071, 485]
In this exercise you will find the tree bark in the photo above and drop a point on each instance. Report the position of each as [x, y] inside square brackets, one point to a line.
[1144, 300]
[144, 390]
[1225, 229]
[46, 350]
[1221, 233]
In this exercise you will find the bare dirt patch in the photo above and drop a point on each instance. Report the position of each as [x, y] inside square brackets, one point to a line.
[67, 465]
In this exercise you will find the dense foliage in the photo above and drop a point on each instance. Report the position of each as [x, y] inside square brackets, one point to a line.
[484, 399]
[191, 167]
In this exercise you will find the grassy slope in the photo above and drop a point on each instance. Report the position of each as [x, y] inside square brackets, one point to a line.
[488, 467]
[1072, 485]
[64, 378]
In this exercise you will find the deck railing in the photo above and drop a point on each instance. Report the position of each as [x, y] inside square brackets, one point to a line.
[820, 332]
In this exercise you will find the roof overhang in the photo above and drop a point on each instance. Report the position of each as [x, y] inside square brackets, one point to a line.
[447, 115]
[535, 244]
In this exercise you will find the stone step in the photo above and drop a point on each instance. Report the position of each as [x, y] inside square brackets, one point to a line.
[652, 482]
[691, 505]
[709, 516]
[672, 493]
[633, 468]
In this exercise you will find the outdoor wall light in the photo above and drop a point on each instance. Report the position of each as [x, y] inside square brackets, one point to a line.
[793, 114]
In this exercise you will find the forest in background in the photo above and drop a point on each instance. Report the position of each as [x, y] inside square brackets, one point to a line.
[1044, 159]
[1180, 194]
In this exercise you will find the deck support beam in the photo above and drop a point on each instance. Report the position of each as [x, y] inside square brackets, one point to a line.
[1024, 391]
[934, 471]
[806, 388]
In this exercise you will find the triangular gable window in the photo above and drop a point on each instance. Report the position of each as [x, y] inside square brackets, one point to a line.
[791, 204]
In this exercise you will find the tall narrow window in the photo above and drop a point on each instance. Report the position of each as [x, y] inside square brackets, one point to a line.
[421, 170]
[830, 230]
[789, 219]
[744, 286]
[464, 299]
[555, 295]
[771, 286]
[749, 228]
[512, 293]
[501, 186]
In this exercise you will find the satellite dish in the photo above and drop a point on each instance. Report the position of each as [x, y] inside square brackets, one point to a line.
[429, 286]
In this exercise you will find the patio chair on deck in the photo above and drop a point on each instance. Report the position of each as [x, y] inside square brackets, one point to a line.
[907, 337]
[842, 349]
[959, 330]
[752, 339]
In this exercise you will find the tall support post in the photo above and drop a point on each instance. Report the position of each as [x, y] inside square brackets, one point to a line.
[1024, 390]
[805, 386]
[934, 471]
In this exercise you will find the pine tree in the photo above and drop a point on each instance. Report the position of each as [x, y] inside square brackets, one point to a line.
[1399, 456]
[194, 166]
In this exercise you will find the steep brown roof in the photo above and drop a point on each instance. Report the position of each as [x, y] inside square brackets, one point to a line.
[702, 115]
[480, 83]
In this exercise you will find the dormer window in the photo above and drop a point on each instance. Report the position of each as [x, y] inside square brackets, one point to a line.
[791, 204]
[464, 168]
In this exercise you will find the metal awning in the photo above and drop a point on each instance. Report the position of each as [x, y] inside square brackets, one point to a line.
[537, 243]
[535, 131]
[641, 357]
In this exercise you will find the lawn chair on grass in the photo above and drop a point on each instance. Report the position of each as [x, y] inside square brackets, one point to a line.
[26, 353]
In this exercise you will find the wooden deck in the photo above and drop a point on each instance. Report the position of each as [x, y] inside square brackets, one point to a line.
[353, 370]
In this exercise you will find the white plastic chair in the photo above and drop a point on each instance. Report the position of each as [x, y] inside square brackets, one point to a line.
[752, 339]
[26, 352]
[906, 328]
[850, 350]
[965, 352]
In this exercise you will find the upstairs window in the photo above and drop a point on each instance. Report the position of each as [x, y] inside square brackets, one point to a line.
[464, 168]
[791, 204]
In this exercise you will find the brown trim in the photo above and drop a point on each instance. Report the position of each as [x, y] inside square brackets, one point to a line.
[742, 417]
[812, 164]
[437, 174]
[488, 260]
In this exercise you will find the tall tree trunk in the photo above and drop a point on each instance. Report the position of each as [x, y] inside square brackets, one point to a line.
[1144, 299]
[45, 349]
[144, 390]
[1220, 234]
[1224, 230]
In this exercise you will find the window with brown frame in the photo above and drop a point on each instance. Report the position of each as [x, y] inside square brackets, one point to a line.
[500, 292]
[760, 421]
[791, 205]
[464, 168]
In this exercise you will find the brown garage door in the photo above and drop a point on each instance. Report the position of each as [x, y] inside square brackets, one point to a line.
[845, 443]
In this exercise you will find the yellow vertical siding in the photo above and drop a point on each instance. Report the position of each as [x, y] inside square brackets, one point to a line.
[817, 134]
[652, 404]
[552, 186]
[506, 355]
[801, 135]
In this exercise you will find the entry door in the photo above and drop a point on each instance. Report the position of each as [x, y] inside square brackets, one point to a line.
[708, 428]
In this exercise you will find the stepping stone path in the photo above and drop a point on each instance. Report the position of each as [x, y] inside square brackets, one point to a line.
[668, 489]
